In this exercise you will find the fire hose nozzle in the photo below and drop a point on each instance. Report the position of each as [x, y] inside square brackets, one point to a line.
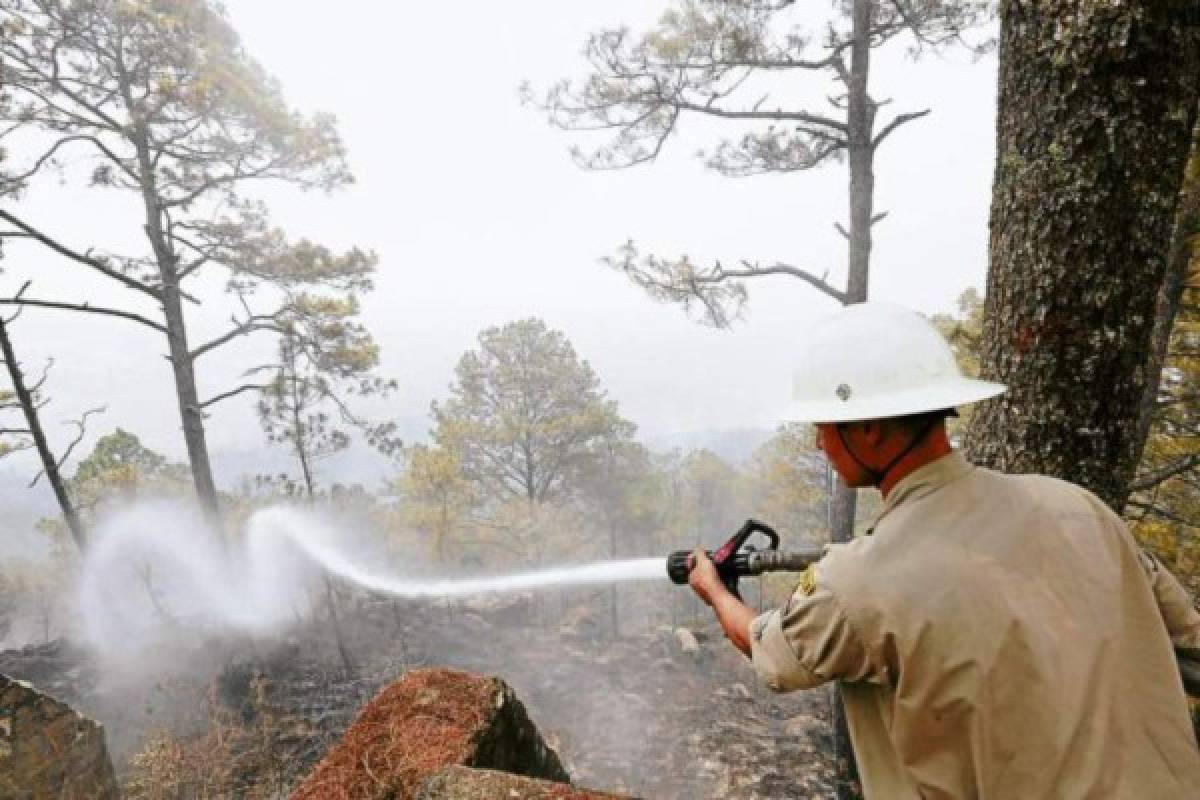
[737, 558]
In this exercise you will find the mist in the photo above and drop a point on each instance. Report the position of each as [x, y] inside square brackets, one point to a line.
[331, 498]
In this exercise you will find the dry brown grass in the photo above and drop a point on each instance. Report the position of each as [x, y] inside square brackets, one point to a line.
[227, 759]
[410, 730]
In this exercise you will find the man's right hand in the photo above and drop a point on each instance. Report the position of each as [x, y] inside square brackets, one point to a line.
[703, 577]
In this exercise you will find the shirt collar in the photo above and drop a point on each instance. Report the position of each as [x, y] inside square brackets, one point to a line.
[926, 480]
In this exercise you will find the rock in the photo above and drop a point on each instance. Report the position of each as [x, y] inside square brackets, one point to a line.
[739, 691]
[428, 720]
[48, 751]
[464, 783]
[55, 667]
[687, 641]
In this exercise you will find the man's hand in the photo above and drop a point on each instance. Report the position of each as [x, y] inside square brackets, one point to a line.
[734, 615]
[703, 577]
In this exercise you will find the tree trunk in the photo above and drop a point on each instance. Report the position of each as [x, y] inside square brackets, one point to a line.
[614, 609]
[49, 463]
[1096, 107]
[190, 412]
[860, 123]
[182, 366]
[338, 636]
[299, 433]
[331, 600]
[1179, 258]
[191, 415]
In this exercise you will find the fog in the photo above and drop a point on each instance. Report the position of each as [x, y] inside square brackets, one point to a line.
[479, 216]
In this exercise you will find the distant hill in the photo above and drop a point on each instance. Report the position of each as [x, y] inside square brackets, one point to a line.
[734, 445]
[23, 507]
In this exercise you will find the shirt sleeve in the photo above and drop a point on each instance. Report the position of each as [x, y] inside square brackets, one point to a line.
[1175, 604]
[807, 643]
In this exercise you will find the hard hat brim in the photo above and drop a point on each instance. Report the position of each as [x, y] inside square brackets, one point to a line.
[949, 394]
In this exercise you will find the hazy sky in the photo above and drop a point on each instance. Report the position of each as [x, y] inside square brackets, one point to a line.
[479, 217]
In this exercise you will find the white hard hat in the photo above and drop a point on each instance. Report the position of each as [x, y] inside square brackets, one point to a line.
[878, 360]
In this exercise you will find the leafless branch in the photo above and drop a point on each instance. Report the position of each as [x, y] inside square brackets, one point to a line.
[1159, 511]
[80, 431]
[777, 115]
[256, 322]
[37, 385]
[753, 271]
[246, 387]
[81, 258]
[896, 123]
[17, 180]
[1149, 481]
[84, 307]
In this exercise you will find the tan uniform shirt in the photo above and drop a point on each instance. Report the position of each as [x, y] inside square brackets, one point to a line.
[997, 636]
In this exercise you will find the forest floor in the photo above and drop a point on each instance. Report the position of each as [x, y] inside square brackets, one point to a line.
[633, 714]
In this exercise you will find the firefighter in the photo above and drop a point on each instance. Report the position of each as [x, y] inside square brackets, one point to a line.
[994, 636]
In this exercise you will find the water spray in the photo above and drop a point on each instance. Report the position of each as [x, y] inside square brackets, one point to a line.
[155, 570]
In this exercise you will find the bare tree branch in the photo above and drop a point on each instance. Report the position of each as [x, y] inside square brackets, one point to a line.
[84, 307]
[246, 387]
[777, 115]
[257, 322]
[896, 123]
[17, 180]
[1158, 511]
[1164, 474]
[754, 271]
[80, 432]
[81, 258]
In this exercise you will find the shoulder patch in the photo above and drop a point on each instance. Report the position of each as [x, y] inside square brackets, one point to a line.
[808, 580]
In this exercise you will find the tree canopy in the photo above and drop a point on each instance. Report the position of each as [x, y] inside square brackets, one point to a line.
[525, 413]
[161, 101]
[737, 63]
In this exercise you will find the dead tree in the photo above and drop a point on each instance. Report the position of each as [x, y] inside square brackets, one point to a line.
[27, 397]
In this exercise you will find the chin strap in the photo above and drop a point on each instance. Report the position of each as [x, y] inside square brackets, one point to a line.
[877, 476]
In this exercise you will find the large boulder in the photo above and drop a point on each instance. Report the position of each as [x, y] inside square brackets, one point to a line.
[465, 783]
[48, 751]
[428, 720]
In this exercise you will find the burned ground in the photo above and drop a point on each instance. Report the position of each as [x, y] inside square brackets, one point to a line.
[630, 715]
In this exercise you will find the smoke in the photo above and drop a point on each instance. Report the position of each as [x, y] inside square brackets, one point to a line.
[155, 571]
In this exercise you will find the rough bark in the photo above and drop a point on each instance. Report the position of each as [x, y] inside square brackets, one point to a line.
[1096, 107]
[190, 412]
[1170, 294]
[49, 462]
